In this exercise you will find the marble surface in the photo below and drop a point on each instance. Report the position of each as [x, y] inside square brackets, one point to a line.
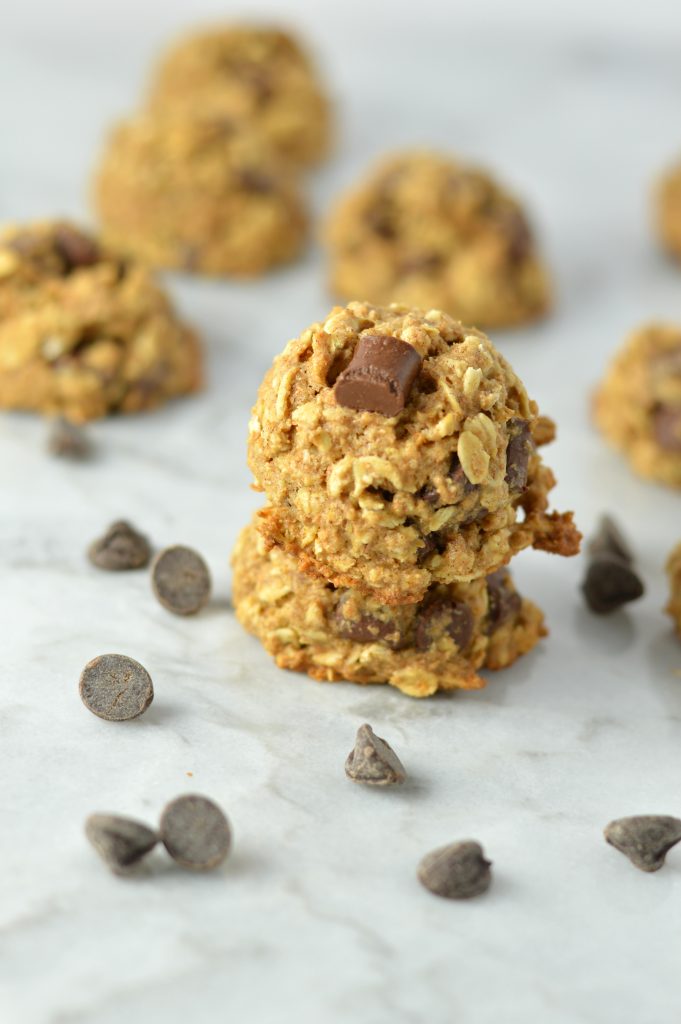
[317, 916]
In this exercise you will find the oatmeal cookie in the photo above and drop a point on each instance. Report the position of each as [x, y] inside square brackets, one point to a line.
[337, 634]
[674, 576]
[427, 231]
[638, 404]
[398, 449]
[83, 332]
[668, 211]
[198, 195]
[250, 74]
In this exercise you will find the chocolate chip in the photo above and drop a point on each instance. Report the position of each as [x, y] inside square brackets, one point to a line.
[181, 580]
[503, 603]
[429, 493]
[435, 541]
[518, 452]
[68, 441]
[645, 839]
[609, 540]
[253, 180]
[458, 476]
[440, 617]
[611, 580]
[121, 548]
[75, 248]
[115, 687]
[379, 376]
[667, 427]
[120, 842]
[518, 235]
[457, 871]
[195, 832]
[366, 628]
[373, 761]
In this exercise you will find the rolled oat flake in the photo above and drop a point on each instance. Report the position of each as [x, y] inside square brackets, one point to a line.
[195, 832]
[120, 842]
[181, 580]
[457, 871]
[115, 687]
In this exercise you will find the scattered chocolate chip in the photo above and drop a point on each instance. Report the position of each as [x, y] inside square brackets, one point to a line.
[365, 629]
[373, 761]
[667, 427]
[441, 617]
[502, 601]
[68, 441]
[611, 580]
[121, 548]
[457, 871]
[518, 452]
[116, 687]
[379, 376]
[645, 839]
[181, 580]
[120, 842]
[76, 249]
[195, 832]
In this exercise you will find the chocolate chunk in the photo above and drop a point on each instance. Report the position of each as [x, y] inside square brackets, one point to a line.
[667, 427]
[120, 842]
[115, 687]
[121, 548]
[429, 493]
[366, 629]
[457, 871]
[609, 540]
[458, 476]
[379, 376]
[611, 580]
[502, 601]
[518, 235]
[76, 249]
[195, 832]
[518, 452]
[645, 839]
[442, 617]
[435, 541]
[68, 441]
[373, 761]
[181, 580]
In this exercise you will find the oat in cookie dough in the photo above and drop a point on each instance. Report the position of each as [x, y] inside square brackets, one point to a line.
[668, 210]
[83, 332]
[674, 576]
[202, 195]
[336, 634]
[427, 231]
[638, 404]
[388, 501]
[253, 74]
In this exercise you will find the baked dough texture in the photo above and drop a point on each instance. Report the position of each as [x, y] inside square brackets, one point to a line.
[84, 332]
[674, 576]
[446, 491]
[668, 210]
[198, 194]
[638, 404]
[430, 232]
[256, 75]
[337, 634]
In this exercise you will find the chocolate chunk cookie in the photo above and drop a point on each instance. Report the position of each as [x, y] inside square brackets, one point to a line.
[428, 231]
[638, 404]
[252, 74]
[205, 195]
[334, 634]
[84, 333]
[392, 466]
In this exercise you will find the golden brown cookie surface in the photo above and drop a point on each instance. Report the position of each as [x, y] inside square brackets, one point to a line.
[667, 208]
[449, 488]
[84, 333]
[424, 230]
[335, 634]
[674, 577]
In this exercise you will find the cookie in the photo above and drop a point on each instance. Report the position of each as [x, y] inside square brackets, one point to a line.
[425, 230]
[250, 74]
[201, 195]
[667, 204]
[337, 634]
[84, 333]
[638, 404]
[388, 501]
[674, 576]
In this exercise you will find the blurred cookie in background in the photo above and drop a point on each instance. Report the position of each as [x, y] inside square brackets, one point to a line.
[667, 210]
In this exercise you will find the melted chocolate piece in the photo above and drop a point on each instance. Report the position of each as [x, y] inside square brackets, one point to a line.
[253, 180]
[76, 249]
[367, 629]
[518, 452]
[503, 602]
[443, 616]
[380, 375]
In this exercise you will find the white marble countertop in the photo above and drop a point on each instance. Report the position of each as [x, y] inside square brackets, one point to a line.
[317, 917]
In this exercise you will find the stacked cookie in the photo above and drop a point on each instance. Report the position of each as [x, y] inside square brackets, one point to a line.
[398, 452]
[206, 177]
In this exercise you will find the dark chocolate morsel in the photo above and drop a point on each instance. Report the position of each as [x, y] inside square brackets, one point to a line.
[429, 493]
[667, 427]
[254, 180]
[610, 582]
[503, 602]
[442, 616]
[518, 452]
[457, 474]
[645, 839]
[609, 540]
[366, 629]
[379, 376]
[434, 541]
[75, 248]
